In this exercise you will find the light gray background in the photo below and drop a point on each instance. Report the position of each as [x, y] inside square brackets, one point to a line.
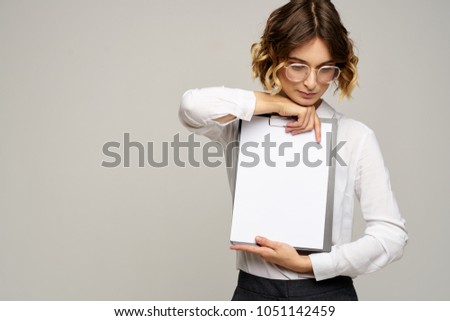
[77, 74]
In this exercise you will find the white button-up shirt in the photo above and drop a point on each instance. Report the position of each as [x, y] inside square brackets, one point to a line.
[363, 175]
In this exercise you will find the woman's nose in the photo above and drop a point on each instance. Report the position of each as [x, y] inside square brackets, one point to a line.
[311, 81]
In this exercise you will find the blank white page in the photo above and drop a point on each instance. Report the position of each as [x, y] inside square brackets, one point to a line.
[284, 203]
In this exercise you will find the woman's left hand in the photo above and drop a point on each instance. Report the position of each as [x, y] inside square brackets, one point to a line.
[278, 253]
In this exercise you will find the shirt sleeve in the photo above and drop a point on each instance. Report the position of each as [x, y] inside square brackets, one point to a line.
[199, 108]
[385, 235]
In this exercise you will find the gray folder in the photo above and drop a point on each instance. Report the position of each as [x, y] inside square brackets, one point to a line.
[284, 185]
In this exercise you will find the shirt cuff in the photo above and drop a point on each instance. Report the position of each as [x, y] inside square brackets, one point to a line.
[245, 102]
[323, 266]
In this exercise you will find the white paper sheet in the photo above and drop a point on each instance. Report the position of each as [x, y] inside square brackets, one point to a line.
[277, 199]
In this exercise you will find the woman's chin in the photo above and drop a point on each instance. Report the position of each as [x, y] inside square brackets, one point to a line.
[306, 102]
[299, 99]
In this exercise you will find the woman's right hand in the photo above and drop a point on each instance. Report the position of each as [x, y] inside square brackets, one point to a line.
[307, 119]
[306, 116]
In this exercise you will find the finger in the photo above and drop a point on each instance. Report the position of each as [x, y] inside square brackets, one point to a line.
[310, 125]
[317, 129]
[313, 124]
[291, 124]
[308, 118]
[302, 120]
[266, 242]
[297, 131]
[251, 249]
[293, 129]
[296, 124]
[299, 122]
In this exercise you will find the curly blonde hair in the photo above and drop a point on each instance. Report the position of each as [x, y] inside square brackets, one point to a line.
[297, 23]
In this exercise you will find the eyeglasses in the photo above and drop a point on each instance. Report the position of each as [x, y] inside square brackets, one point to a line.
[325, 75]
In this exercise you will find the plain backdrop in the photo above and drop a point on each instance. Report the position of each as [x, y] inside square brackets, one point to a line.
[75, 75]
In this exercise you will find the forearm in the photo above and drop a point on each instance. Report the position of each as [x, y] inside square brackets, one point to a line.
[265, 104]
[303, 265]
[202, 110]
[200, 107]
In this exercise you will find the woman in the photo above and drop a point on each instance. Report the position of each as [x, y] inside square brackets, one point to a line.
[303, 50]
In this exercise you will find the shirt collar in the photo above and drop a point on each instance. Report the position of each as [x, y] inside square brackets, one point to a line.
[325, 110]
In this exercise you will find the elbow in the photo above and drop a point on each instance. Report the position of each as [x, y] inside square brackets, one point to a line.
[402, 245]
[188, 112]
[187, 104]
[396, 244]
[393, 241]
[396, 248]
[399, 239]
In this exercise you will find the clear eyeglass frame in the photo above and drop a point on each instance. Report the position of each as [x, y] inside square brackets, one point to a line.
[298, 72]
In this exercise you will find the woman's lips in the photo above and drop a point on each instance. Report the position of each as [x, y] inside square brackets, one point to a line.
[307, 95]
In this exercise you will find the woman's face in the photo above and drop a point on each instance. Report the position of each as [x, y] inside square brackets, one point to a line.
[315, 54]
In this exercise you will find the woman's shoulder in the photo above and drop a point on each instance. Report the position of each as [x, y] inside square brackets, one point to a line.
[350, 129]
[344, 122]
[353, 125]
